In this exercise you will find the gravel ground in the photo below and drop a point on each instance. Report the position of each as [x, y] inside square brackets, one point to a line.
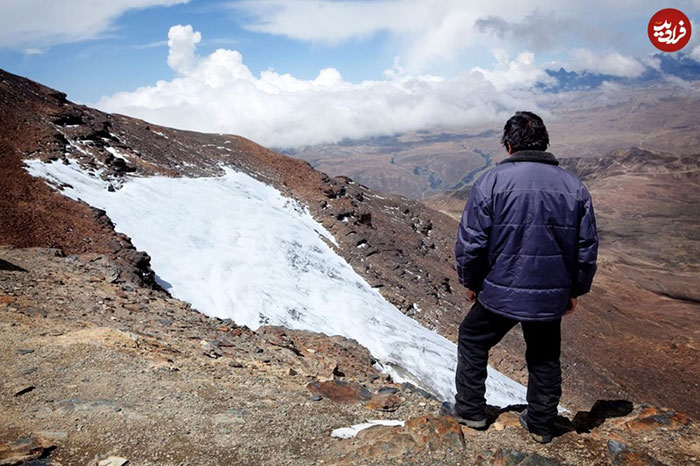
[100, 368]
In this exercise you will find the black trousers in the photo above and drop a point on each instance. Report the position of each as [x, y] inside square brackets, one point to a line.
[478, 333]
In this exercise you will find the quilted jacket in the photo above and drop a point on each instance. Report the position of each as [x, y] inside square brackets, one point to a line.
[527, 240]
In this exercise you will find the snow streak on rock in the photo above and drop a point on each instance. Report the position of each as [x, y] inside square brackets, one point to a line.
[352, 431]
[236, 248]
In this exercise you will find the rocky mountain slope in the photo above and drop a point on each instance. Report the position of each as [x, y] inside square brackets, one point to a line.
[99, 371]
[80, 319]
[397, 245]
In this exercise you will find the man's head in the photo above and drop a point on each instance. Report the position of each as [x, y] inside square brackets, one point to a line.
[525, 131]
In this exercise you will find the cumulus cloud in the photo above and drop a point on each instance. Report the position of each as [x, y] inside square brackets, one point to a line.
[182, 42]
[35, 24]
[612, 63]
[652, 62]
[218, 93]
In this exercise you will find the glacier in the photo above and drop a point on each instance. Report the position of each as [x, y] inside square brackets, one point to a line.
[236, 248]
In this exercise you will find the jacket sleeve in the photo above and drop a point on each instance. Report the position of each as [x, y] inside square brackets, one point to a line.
[587, 246]
[472, 245]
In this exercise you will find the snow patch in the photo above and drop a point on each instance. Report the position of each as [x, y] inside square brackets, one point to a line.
[237, 248]
[116, 153]
[352, 431]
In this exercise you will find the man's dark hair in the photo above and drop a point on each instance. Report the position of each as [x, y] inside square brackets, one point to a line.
[525, 131]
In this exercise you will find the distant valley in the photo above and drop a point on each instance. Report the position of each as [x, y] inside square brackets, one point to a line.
[657, 117]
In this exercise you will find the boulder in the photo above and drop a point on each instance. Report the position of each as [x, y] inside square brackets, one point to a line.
[388, 402]
[435, 433]
[419, 434]
[622, 455]
[511, 457]
[339, 391]
[653, 418]
[387, 445]
[23, 450]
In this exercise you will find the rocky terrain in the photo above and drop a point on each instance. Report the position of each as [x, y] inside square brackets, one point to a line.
[399, 246]
[96, 370]
[82, 318]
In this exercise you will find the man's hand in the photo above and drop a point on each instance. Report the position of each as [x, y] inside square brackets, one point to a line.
[471, 295]
[573, 302]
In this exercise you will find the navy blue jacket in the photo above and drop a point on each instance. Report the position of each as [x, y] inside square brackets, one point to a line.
[527, 240]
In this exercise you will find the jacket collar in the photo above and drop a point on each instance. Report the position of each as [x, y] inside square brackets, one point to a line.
[531, 156]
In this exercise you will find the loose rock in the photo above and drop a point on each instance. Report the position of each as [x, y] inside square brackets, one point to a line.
[388, 402]
[339, 391]
[622, 455]
[22, 450]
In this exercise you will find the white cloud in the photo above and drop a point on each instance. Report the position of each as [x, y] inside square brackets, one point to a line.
[426, 32]
[537, 30]
[429, 33]
[332, 22]
[695, 53]
[182, 42]
[611, 63]
[652, 62]
[39, 23]
[150, 45]
[33, 51]
[522, 72]
[218, 93]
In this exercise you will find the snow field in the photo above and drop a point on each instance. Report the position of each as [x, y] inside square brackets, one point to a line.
[236, 248]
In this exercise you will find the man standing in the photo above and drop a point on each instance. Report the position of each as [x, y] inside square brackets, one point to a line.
[526, 250]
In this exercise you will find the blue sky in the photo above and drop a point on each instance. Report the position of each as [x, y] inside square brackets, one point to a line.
[391, 65]
[133, 52]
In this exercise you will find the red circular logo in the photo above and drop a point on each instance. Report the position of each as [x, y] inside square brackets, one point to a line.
[669, 30]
